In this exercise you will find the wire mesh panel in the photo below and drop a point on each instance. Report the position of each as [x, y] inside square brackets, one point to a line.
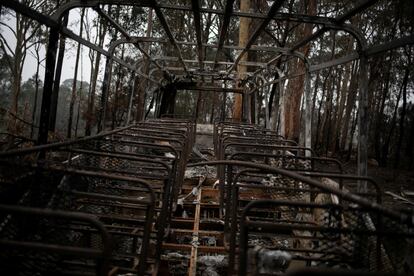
[46, 242]
[319, 235]
[118, 178]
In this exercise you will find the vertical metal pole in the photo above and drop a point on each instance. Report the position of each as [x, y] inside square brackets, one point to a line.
[105, 91]
[363, 121]
[48, 85]
[308, 111]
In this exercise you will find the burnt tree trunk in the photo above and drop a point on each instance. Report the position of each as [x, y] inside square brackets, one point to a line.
[295, 87]
[75, 77]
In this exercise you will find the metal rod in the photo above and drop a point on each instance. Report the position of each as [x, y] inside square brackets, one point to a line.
[272, 11]
[223, 29]
[167, 30]
[197, 23]
[126, 34]
[362, 5]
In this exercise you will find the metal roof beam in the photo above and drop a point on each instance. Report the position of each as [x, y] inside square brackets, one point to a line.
[373, 50]
[272, 11]
[301, 18]
[126, 34]
[223, 29]
[197, 24]
[362, 5]
[49, 22]
[167, 30]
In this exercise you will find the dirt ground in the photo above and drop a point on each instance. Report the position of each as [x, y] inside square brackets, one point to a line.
[396, 181]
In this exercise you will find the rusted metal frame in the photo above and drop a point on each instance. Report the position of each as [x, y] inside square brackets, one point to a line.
[90, 45]
[312, 159]
[195, 4]
[210, 89]
[222, 156]
[133, 40]
[127, 202]
[108, 76]
[94, 3]
[343, 195]
[55, 27]
[256, 140]
[168, 139]
[145, 184]
[176, 150]
[159, 130]
[362, 5]
[104, 254]
[219, 131]
[120, 155]
[167, 30]
[272, 11]
[403, 218]
[300, 18]
[264, 146]
[235, 186]
[228, 10]
[164, 216]
[265, 139]
[179, 161]
[182, 135]
[246, 63]
[51, 146]
[270, 227]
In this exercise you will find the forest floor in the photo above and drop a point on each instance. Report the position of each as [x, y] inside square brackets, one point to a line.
[399, 182]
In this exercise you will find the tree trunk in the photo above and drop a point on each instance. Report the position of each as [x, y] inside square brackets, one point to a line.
[143, 85]
[75, 76]
[386, 146]
[58, 73]
[350, 102]
[409, 152]
[95, 71]
[378, 132]
[244, 34]
[295, 87]
[37, 82]
[402, 117]
[19, 57]
[319, 123]
[79, 107]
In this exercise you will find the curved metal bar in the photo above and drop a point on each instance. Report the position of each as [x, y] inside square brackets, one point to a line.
[108, 75]
[403, 218]
[308, 102]
[133, 40]
[107, 243]
[57, 15]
